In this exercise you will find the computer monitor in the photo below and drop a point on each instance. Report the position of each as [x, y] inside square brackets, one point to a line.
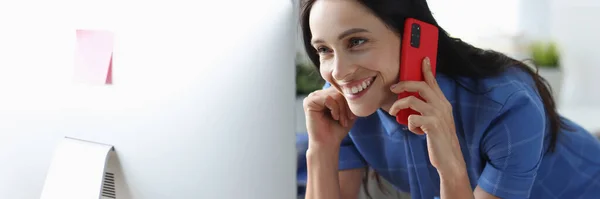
[201, 103]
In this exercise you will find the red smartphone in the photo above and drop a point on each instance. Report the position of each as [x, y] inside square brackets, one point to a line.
[419, 40]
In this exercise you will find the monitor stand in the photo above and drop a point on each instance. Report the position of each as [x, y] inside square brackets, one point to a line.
[80, 170]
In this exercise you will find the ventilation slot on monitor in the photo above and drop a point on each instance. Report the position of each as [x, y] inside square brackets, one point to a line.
[108, 187]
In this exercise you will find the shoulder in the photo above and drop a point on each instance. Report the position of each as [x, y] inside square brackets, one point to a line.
[515, 90]
[520, 116]
[513, 87]
[504, 107]
[513, 139]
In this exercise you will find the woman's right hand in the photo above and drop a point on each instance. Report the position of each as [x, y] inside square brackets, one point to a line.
[328, 117]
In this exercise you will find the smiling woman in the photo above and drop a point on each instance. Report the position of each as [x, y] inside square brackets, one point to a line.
[342, 49]
[487, 127]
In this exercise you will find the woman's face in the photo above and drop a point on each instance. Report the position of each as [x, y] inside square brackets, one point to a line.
[359, 54]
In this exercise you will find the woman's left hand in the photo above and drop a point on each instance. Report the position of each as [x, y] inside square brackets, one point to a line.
[436, 120]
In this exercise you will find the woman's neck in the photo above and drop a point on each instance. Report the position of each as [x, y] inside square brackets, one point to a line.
[389, 101]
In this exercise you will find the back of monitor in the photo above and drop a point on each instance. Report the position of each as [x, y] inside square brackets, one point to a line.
[201, 105]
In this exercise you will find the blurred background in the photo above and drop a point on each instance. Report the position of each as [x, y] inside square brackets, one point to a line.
[559, 36]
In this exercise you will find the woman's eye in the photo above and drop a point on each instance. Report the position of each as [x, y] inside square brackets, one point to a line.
[356, 42]
[322, 50]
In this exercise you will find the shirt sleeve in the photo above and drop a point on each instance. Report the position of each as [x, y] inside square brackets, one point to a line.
[350, 157]
[514, 146]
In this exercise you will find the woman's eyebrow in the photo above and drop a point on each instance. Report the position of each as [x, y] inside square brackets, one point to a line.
[342, 35]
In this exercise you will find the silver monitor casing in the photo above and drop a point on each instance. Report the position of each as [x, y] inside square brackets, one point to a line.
[201, 106]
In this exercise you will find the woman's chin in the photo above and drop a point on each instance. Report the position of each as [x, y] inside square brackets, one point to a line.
[366, 105]
[362, 110]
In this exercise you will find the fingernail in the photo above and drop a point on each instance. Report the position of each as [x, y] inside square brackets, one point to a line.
[393, 86]
[427, 66]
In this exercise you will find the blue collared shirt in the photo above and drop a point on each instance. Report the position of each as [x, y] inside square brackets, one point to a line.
[504, 136]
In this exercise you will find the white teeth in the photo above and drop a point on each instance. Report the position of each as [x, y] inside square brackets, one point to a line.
[358, 88]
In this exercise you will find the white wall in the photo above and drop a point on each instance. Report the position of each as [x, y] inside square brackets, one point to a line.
[534, 18]
[483, 23]
[575, 29]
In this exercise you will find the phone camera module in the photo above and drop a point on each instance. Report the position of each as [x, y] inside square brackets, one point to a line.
[415, 36]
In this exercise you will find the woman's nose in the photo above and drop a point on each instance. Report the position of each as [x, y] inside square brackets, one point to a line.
[342, 68]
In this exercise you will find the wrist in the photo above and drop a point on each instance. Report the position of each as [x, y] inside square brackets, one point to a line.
[322, 162]
[455, 183]
[325, 150]
[322, 158]
[324, 146]
[453, 172]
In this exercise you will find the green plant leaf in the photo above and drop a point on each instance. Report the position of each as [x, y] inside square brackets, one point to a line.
[545, 54]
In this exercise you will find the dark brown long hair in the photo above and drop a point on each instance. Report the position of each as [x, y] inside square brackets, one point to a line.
[456, 58]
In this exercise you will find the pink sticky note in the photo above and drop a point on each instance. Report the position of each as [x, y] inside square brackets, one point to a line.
[93, 57]
[109, 75]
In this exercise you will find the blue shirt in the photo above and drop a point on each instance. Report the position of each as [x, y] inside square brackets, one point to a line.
[504, 136]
